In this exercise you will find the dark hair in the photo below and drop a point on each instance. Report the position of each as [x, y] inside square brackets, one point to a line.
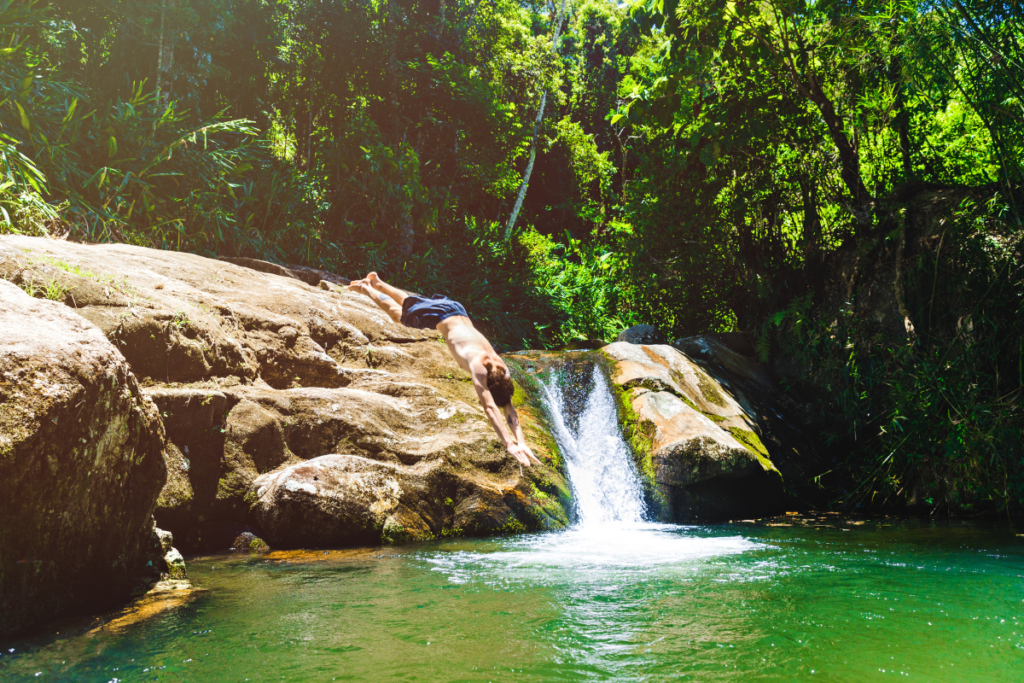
[500, 385]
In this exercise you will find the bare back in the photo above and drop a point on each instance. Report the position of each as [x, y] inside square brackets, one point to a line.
[465, 342]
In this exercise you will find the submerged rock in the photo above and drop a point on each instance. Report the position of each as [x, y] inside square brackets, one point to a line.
[700, 450]
[162, 597]
[80, 465]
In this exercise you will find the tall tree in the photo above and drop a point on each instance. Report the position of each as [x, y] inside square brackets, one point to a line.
[536, 132]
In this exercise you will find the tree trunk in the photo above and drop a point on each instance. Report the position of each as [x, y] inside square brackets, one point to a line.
[902, 120]
[533, 142]
[811, 241]
[849, 159]
[160, 52]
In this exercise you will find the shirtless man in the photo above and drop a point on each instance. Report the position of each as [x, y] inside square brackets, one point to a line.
[471, 351]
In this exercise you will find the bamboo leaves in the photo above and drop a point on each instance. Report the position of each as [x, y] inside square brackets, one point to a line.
[26, 123]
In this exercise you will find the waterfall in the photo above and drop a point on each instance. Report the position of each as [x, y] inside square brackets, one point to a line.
[611, 541]
[600, 465]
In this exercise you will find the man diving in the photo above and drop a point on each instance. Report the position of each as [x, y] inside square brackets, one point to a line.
[471, 351]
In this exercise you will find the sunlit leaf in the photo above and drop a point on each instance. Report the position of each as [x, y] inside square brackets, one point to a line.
[26, 123]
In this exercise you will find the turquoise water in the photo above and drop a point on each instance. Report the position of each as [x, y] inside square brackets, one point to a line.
[890, 600]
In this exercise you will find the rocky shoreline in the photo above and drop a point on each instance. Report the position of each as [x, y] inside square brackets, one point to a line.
[245, 400]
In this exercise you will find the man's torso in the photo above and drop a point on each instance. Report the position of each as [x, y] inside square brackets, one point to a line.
[466, 344]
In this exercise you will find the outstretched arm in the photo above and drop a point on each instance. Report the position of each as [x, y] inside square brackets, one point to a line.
[513, 421]
[515, 444]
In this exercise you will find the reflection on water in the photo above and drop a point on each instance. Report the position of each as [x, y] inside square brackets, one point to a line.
[632, 602]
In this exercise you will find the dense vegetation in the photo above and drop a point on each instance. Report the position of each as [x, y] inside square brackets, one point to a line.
[839, 180]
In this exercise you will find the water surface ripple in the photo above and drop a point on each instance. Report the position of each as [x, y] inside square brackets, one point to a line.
[904, 600]
[614, 598]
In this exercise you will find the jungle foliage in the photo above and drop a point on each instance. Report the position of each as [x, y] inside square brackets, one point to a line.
[846, 178]
[839, 180]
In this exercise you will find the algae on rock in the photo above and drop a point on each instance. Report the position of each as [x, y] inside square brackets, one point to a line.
[696, 446]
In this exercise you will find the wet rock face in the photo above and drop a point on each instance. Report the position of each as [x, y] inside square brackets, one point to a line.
[701, 447]
[254, 369]
[80, 464]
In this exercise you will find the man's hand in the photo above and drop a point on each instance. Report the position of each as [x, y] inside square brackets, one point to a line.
[522, 453]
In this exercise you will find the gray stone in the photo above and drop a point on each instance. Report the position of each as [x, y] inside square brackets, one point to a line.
[166, 540]
[175, 564]
[80, 465]
[703, 455]
[641, 334]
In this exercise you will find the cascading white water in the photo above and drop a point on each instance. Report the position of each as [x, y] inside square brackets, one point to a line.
[611, 541]
[601, 471]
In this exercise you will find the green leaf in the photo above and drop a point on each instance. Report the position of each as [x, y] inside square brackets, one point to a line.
[707, 155]
[26, 123]
[617, 118]
[111, 146]
[71, 112]
[25, 86]
[6, 52]
[101, 174]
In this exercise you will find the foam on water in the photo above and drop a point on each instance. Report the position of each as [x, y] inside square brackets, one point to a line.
[611, 534]
[587, 554]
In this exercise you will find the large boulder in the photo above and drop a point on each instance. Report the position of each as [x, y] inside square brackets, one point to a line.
[785, 419]
[254, 369]
[347, 499]
[700, 449]
[80, 465]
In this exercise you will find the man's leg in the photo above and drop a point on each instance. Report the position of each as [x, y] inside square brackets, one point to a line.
[386, 303]
[381, 286]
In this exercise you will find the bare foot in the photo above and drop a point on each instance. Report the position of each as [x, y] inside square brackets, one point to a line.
[361, 286]
[373, 280]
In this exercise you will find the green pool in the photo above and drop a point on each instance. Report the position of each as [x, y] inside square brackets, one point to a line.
[820, 600]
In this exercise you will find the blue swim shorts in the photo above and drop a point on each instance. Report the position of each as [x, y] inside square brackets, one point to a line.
[426, 312]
